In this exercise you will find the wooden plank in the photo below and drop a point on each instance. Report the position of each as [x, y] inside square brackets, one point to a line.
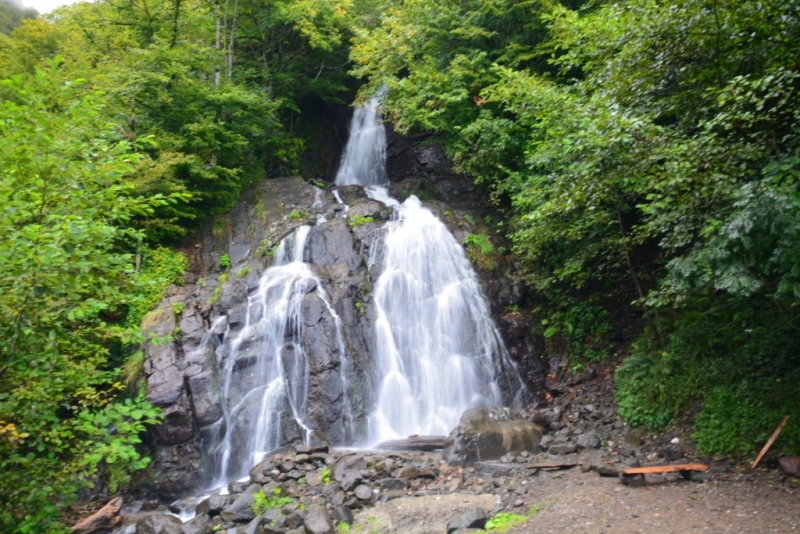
[559, 465]
[665, 469]
[771, 440]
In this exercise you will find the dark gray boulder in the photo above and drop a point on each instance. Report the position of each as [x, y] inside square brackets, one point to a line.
[242, 508]
[472, 518]
[317, 520]
[159, 524]
[489, 433]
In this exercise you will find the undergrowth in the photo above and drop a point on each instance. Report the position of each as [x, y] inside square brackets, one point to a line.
[737, 365]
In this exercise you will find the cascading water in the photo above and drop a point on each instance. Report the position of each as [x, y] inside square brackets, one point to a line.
[438, 352]
[364, 160]
[254, 403]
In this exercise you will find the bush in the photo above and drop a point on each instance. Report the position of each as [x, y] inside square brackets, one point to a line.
[734, 363]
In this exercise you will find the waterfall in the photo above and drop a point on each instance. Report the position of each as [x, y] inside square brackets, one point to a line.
[438, 352]
[364, 159]
[255, 403]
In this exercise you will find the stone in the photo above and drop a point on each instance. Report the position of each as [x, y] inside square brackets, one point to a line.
[408, 472]
[386, 496]
[489, 433]
[588, 440]
[214, 504]
[342, 514]
[351, 480]
[790, 465]
[394, 484]
[317, 520]
[348, 464]
[562, 448]
[242, 508]
[605, 470]
[472, 518]
[199, 524]
[314, 479]
[159, 524]
[634, 481]
[363, 492]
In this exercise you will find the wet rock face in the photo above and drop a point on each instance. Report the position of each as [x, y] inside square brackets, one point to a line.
[490, 433]
[182, 367]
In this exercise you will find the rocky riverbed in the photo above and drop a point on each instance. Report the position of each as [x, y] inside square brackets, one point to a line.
[312, 490]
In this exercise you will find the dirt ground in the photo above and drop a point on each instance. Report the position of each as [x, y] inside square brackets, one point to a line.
[572, 501]
[576, 502]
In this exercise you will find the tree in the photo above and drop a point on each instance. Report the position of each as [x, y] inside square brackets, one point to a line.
[65, 224]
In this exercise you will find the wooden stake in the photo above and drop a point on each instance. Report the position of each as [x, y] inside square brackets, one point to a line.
[771, 440]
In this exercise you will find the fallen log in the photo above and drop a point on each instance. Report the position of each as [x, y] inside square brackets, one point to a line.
[413, 443]
[102, 519]
[770, 441]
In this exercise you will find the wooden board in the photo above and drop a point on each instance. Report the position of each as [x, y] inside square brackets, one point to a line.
[665, 469]
[560, 465]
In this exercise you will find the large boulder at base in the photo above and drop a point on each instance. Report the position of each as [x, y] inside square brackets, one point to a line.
[488, 434]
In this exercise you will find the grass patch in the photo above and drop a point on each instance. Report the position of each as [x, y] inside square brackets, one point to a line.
[264, 502]
[359, 220]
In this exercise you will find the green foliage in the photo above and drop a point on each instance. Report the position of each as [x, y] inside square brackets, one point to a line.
[481, 251]
[66, 276]
[217, 293]
[296, 214]
[733, 360]
[503, 521]
[359, 220]
[160, 268]
[263, 502]
[360, 308]
[643, 152]
[342, 527]
[225, 262]
[326, 475]
[580, 331]
[244, 271]
[480, 243]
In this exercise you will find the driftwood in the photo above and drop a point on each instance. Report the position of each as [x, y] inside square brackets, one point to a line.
[771, 440]
[102, 519]
[414, 443]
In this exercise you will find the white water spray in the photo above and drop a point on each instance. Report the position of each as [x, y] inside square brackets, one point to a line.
[255, 401]
[438, 352]
[364, 160]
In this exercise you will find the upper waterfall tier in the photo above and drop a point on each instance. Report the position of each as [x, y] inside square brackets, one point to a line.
[364, 160]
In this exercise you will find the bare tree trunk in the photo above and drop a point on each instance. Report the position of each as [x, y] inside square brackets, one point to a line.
[232, 37]
[217, 45]
[176, 18]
